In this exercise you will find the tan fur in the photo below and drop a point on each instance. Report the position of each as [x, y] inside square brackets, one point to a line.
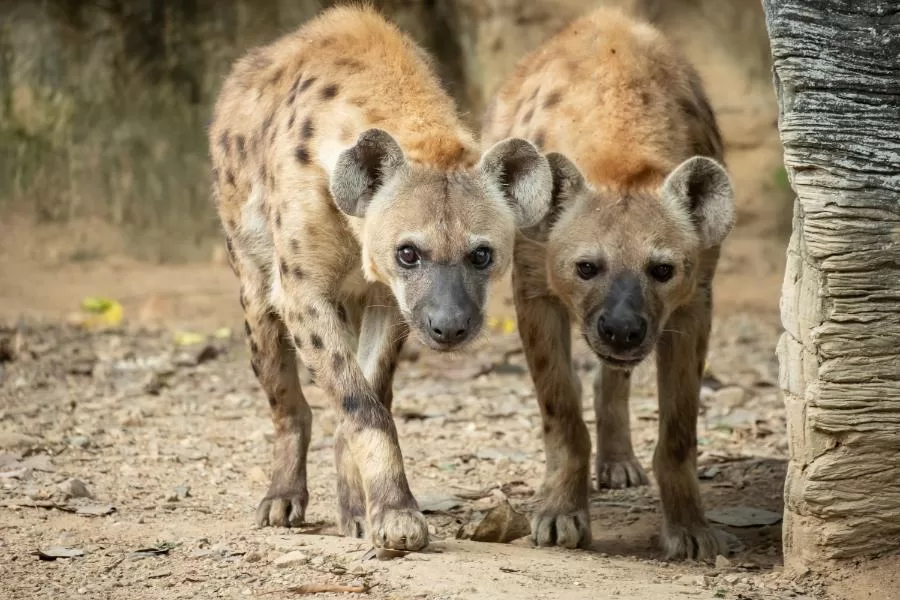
[620, 114]
[333, 148]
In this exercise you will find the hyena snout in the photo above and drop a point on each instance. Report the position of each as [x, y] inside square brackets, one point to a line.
[449, 316]
[622, 329]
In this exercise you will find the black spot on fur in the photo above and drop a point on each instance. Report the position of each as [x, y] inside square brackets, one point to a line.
[255, 368]
[330, 91]
[291, 122]
[350, 404]
[267, 124]
[540, 140]
[295, 246]
[534, 94]
[316, 341]
[246, 324]
[312, 311]
[308, 129]
[298, 342]
[548, 409]
[341, 312]
[224, 142]
[229, 176]
[546, 429]
[283, 267]
[240, 142]
[306, 84]
[276, 76]
[302, 155]
[350, 64]
[278, 219]
[526, 118]
[254, 348]
[337, 360]
[298, 273]
[552, 99]
[272, 401]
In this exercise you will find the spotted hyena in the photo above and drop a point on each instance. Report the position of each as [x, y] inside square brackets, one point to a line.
[357, 208]
[641, 204]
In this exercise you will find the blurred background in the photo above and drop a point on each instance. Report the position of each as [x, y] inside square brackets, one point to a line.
[104, 104]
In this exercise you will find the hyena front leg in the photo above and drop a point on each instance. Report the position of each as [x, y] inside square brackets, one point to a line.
[320, 333]
[563, 518]
[273, 360]
[382, 335]
[681, 352]
[617, 466]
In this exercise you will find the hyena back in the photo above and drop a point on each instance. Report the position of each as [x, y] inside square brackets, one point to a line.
[356, 209]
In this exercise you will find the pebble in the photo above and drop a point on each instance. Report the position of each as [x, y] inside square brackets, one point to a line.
[722, 562]
[699, 580]
[292, 559]
[74, 488]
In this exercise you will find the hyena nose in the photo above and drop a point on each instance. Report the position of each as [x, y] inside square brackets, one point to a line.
[448, 329]
[622, 331]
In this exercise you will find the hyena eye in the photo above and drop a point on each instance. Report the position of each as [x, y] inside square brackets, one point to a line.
[408, 257]
[662, 272]
[587, 270]
[481, 257]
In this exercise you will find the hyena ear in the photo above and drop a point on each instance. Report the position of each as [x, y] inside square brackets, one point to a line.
[516, 167]
[363, 169]
[568, 182]
[701, 187]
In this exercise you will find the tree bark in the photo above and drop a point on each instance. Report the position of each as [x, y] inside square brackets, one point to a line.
[837, 80]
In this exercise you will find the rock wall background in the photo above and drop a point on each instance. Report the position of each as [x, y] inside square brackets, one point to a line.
[103, 103]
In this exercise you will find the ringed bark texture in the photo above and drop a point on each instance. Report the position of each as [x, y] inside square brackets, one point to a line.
[837, 79]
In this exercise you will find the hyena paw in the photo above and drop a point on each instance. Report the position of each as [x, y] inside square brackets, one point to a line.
[283, 509]
[700, 542]
[616, 474]
[565, 528]
[400, 529]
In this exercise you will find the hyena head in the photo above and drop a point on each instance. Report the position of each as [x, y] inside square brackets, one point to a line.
[624, 261]
[438, 238]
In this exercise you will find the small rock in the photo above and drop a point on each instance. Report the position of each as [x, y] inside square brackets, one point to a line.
[731, 396]
[731, 578]
[78, 441]
[74, 488]
[179, 493]
[253, 557]
[317, 561]
[722, 562]
[502, 524]
[153, 384]
[743, 516]
[292, 559]
[698, 580]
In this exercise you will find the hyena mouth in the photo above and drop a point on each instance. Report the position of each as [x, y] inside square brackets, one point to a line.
[620, 363]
